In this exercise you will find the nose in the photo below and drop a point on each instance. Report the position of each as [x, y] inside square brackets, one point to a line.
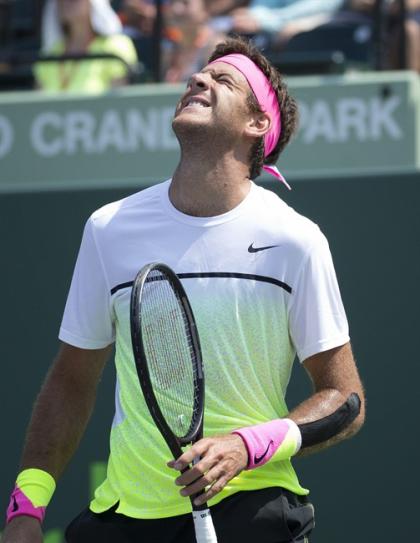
[199, 80]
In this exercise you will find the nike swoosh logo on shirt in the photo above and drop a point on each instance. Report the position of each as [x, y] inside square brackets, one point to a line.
[252, 249]
[258, 459]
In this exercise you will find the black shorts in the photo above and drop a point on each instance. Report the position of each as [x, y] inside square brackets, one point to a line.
[271, 515]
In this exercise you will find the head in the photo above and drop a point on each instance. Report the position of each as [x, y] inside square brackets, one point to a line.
[233, 117]
[287, 105]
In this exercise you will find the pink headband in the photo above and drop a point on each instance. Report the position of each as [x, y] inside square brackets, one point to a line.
[267, 100]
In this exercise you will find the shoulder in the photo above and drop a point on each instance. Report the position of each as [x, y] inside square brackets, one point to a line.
[113, 214]
[119, 44]
[296, 230]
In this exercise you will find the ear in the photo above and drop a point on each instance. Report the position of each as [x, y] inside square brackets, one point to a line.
[257, 125]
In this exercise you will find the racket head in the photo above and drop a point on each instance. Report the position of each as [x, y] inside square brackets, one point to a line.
[167, 354]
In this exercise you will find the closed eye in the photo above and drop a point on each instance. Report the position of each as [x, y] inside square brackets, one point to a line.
[225, 81]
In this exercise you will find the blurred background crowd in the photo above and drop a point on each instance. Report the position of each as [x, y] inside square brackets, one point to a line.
[94, 45]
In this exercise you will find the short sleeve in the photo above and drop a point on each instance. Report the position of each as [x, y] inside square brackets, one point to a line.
[87, 321]
[123, 47]
[317, 319]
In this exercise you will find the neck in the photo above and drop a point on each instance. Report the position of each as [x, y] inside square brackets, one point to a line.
[78, 37]
[206, 186]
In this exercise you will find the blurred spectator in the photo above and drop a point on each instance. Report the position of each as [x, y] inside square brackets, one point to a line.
[395, 27]
[193, 27]
[271, 23]
[190, 38]
[274, 15]
[138, 18]
[275, 22]
[411, 28]
[83, 27]
[189, 33]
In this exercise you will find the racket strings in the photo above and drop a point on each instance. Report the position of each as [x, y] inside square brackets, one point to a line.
[170, 353]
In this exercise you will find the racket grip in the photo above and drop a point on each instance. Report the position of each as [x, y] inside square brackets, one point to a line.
[204, 528]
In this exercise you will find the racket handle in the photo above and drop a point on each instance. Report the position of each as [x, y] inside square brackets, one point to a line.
[204, 528]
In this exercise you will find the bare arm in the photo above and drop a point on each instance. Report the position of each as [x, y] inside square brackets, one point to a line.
[63, 408]
[334, 376]
[59, 418]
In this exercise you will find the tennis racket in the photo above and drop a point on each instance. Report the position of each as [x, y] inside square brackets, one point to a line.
[168, 359]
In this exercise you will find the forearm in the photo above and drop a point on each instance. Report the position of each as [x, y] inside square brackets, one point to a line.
[59, 418]
[320, 405]
[57, 424]
[62, 409]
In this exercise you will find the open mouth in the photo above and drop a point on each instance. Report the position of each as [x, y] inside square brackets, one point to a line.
[195, 102]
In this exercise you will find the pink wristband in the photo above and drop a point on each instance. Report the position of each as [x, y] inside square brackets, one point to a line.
[280, 437]
[21, 505]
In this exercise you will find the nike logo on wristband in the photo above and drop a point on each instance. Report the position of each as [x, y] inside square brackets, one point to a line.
[15, 505]
[258, 459]
[252, 249]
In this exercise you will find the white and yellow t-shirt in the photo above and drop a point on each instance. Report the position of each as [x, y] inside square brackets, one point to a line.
[262, 286]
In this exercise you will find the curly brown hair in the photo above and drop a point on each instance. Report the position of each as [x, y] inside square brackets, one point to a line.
[287, 104]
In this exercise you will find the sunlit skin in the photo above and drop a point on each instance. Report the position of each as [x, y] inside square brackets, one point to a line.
[224, 90]
[212, 176]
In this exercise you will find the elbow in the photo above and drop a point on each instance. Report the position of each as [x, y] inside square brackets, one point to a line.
[356, 426]
[359, 421]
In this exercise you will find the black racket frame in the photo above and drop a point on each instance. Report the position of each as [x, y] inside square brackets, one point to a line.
[195, 430]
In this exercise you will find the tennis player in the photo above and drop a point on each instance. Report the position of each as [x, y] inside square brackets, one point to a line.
[262, 285]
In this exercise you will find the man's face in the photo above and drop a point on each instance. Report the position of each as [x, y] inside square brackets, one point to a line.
[216, 99]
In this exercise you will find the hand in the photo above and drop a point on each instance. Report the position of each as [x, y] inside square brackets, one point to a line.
[221, 459]
[23, 529]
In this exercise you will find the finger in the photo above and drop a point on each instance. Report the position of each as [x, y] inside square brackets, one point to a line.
[215, 488]
[207, 479]
[196, 487]
[198, 449]
[196, 471]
